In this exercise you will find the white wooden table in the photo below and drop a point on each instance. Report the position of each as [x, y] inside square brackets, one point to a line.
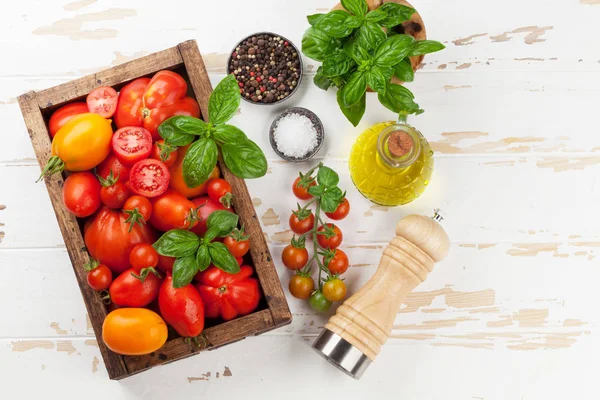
[511, 106]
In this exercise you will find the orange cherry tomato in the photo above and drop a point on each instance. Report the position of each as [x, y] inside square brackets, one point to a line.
[134, 331]
[301, 286]
[61, 116]
[334, 289]
[178, 183]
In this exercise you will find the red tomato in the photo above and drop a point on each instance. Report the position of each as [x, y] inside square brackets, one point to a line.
[167, 153]
[166, 263]
[81, 194]
[302, 192]
[102, 101]
[149, 178]
[178, 182]
[109, 240]
[301, 226]
[205, 207]
[172, 211]
[143, 256]
[240, 260]
[237, 243]
[111, 163]
[129, 291]
[331, 242]
[131, 144]
[228, 295]
[338, 263]
[60, 117]
[341, 211]
[220, 191]
[182, 308]
[141, 204]
[99, 277]
[148, 102]
[294, 258]
[113, 193]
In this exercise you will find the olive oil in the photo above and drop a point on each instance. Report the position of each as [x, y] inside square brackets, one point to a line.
[391, 163]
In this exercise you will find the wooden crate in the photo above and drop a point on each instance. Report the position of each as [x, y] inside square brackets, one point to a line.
[187, 61]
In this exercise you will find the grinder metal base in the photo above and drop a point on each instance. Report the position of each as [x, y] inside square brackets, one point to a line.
[341, 353]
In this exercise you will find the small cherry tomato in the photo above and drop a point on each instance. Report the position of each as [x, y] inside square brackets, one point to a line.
[341, 211]
[338, 264]
[132, 290]
[134, 331]
[167, 153]
[81, 194]
[149, 178]
[131, 144]
[293, 257]
[60, 117]
[334, 289]
[141, 204]
[301, 286]
[301, 226]
[334, 239]
[300, 191]
[166, 263]
[114, 192]
[103, 101]
[319, 302]
[220, 191]
[143, 256]
[237, 243]
[99, 276]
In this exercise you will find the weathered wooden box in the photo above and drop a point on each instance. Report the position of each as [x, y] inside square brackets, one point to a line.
[186, 60]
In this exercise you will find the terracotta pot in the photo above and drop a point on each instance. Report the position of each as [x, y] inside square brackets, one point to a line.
[414, 27]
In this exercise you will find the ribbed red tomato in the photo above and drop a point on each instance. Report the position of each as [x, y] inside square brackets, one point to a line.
[128, 291]
[182, 308]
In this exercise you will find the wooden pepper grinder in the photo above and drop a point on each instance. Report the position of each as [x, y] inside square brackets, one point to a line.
[354, 335]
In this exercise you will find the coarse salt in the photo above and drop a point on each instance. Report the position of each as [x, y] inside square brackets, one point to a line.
[295, 135]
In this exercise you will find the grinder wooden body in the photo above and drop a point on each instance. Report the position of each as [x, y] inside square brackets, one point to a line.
[365, 320]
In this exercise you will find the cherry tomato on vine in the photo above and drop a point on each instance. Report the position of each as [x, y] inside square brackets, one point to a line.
[334, 289]
[300, 191]
[341, 211]
[301, 286]
[294, 257]
[131, 144]
[167, 153]
[149, 178]
[301, 226]
[99, 276]
[338, 264]
[237, 243]
[114, 192]
[334, 239]
[103, 101]
[219, 190]
[143, 256]
[319, 302]
[81, 194]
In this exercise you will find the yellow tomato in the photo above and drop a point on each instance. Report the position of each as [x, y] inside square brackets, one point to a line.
[81, 144]
[134, 331]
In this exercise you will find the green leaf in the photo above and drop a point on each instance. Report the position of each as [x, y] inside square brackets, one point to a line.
[191, 125]
[353, 21]
[393, 50]
[396, 14]
[333, 25]
[355, 112]
[331, 199]
[222, 258]
[184, 270]
[228, 134]
[245, 159]
[337, 64]
[370, 35]
[177, 243]
[173, 135]
[354, 89]
[327, 177]
[425, 47]
[349, 46]
[224, 221]
[313, 19]
[359, 53]
[321, 81]
[199, 161]
[202, 257]
[376, 79]
[316, 44]
[316, 191]
[356, 7]
[399, 99]
[376, 15]
[211, 234]
[404, 71]
[224, 100]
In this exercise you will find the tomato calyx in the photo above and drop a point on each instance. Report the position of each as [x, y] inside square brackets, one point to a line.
[327, 230]
[299, 243]
[145, 112]
[305, 180]
[91, 265]
[165, 150]
[54, 165]
[328, 255]
[192, 217]
[239, 235]
[302, 212]
[109, 181]
[134, 217]
[144, 274]
[226, 199]
[200, 341]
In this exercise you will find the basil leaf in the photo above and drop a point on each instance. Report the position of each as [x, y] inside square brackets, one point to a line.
[313, 19]
[356, 7]
[202, 257]
[225, 221]
[396, 14]
[404, 71]
[399, 99]
[425, 47]
[173, 135]
[331, 199]
[199, 161]
[222, 258]
[349, 46]
[376, 15]
[245, 159]
[321, 81]
[359, 53]
[316, 191]
[370, 35]
[337, 64]
[316, 44]
[354, 89]
[184, 270]
[355, 112]
[327, 177]
[353, 22]
[177, 243]
[224, 100]
[333, 25]
[228, 134]
[211, 234]
[393, 49]
[191, 125]
[376, 79]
